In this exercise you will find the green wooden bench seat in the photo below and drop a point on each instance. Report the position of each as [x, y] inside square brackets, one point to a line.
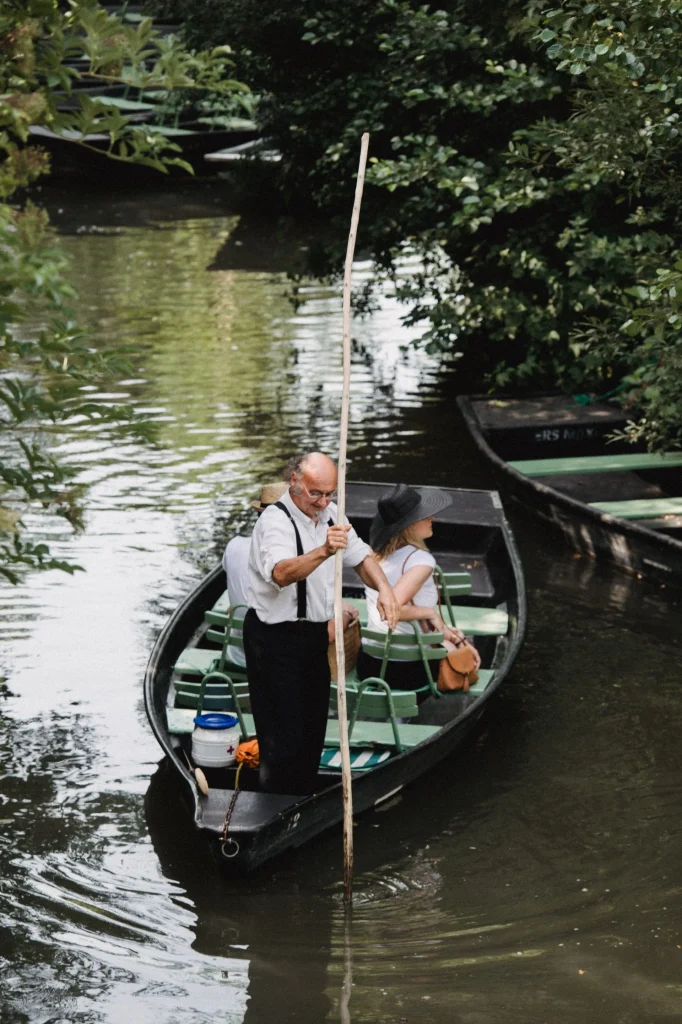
[478, 621]
[373, 704]
[196, 661]
[215, 683]
[213, 690]
[402, 699]
[373, 698]
[217, 615]
[640, 508]
[485, 678]
[473, 621]
[181, 721]
[362, 758]
[365, 734]
[451, 584]
[369, 734]
[597, 464]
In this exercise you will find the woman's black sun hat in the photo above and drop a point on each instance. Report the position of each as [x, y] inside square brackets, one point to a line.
[401, 507]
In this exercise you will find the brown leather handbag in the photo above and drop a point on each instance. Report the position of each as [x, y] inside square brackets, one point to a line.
[457, 671]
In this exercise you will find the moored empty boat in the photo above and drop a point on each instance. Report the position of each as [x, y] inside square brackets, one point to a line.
[390, 746]
[609, 499]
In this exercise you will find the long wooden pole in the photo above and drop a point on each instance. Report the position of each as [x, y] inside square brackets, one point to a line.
[338, 567]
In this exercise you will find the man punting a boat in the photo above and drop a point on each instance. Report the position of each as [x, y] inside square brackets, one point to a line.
[291, 600]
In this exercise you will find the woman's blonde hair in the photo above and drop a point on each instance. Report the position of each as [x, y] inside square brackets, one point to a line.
[399, 540]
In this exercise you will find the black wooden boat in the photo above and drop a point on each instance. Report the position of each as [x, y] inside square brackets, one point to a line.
[472, 537]
[609, 499]
[193, 140]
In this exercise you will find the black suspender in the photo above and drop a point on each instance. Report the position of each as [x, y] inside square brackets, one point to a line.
[301, 589]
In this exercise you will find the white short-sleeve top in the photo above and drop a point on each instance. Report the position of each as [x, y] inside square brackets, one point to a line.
[395, 566]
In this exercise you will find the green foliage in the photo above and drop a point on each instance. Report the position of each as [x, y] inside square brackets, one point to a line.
[529, 156]
[46, 50]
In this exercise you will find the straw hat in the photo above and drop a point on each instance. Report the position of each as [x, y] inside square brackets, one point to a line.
[269, 494]
[400, 508]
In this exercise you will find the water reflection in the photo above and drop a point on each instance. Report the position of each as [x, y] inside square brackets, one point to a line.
[278, 927]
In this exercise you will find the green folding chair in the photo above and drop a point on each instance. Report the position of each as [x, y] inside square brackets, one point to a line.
[451, 584]
[222, 684]
[372, 697]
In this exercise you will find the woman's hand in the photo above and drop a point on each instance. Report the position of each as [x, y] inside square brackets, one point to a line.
[437, 625]
[455, 636]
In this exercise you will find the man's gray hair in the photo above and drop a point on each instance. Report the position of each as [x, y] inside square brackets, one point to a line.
[294, 465]
[297, 465]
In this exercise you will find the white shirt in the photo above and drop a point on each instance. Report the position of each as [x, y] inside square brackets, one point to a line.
[273, 541]
[398, 563]
[236, 566]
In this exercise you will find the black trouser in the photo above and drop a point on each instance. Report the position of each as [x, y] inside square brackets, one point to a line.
[289, 676]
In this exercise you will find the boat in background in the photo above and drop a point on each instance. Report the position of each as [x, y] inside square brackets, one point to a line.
[609, 499]
[473, 543]
[72, 153]
[255, 150]
[194, 132]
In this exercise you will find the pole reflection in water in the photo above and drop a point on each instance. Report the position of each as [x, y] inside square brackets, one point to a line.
[346, 988]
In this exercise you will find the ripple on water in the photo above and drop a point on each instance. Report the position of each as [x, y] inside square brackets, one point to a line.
[118, 944]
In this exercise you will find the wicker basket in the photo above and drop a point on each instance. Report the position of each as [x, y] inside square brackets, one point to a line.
[351, 646]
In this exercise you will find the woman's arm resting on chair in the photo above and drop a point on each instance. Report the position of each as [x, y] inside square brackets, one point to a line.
[405, 589]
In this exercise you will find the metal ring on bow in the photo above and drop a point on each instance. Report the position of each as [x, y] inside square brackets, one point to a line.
[230, 844]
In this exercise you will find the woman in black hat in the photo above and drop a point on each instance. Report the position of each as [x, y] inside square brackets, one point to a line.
[398, 536]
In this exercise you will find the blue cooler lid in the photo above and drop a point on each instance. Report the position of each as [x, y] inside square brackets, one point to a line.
[216, 720]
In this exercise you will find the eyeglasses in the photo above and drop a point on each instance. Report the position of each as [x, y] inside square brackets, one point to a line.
[318, 495]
